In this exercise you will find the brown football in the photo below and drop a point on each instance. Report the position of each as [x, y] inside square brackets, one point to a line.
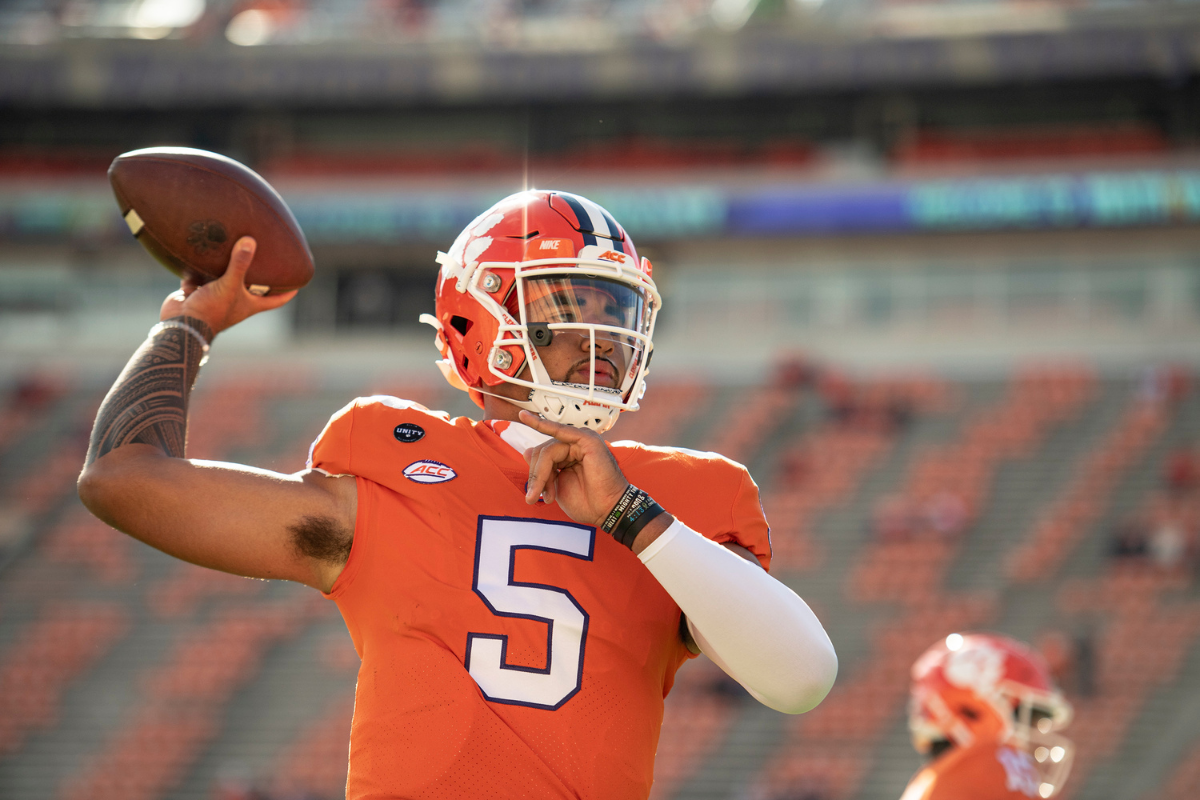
[187, 207]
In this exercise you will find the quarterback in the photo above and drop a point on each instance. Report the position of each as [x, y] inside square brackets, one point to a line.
[520, 591]
[986, 712]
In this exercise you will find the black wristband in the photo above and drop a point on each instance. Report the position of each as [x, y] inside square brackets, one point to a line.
[627, 498]
[637, 517]
[632, 512]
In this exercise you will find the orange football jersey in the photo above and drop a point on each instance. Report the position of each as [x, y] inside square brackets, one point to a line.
[984, 771]
[507, 651]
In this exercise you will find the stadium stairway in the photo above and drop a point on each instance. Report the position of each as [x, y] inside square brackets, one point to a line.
[38, 468]
[894, 761]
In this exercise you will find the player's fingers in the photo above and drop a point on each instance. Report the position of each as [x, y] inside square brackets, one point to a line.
[536, 480]
[547, 459]
[541, 467]
[563, 433]
[240, 259]
[273, 301]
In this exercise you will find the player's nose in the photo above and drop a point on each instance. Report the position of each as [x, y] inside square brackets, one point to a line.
[604, 345]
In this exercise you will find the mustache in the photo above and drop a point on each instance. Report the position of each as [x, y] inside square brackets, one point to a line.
[586, 364]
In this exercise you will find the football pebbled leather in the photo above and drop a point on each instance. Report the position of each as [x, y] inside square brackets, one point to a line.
[187, 207]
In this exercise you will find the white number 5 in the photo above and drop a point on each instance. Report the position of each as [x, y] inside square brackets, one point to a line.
[496, 547]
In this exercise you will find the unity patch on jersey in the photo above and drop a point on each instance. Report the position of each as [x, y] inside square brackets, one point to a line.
[408, 433]
[429, 472]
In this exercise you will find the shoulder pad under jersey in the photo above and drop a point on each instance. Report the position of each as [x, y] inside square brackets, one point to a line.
[356, 437]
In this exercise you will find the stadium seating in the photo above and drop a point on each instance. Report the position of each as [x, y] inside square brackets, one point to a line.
[1084, 500]
[315, 763]
[665, 412]
[1181, 785]
[66, 639]
[748, 423]
[820, 447]
[80, 538]
[179, 712]
[694, 723]
[948, 487]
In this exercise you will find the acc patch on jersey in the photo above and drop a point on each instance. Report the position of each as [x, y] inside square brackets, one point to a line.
[429, 472]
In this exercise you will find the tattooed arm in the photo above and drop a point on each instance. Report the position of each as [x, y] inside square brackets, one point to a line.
[148, 403]
[229, 517]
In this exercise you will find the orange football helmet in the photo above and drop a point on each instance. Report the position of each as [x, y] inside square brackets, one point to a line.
[976, 686]
[536, 264]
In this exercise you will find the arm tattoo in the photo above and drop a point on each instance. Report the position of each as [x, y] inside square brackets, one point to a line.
[148, 403]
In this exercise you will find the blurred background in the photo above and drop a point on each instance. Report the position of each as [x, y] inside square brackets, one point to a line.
[931, 271]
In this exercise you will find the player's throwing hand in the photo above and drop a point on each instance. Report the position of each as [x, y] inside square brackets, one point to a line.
[226, 301]
[575, 468]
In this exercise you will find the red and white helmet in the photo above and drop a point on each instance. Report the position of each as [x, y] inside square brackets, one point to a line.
[976, 686]
[500, 297]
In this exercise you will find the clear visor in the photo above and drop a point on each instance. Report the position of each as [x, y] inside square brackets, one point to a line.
[596, 301]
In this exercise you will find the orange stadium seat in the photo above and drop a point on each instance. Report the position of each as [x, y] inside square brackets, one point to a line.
[67, 639]
[666, 410]
[315, 763]
[181, 703]
[697, 716]
[748, 424]
[1084, 499]
[80, 538]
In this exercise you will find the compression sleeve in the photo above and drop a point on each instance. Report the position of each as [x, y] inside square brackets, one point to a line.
[752, 626]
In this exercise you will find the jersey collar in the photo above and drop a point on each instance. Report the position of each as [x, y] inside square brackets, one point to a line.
[516, 435]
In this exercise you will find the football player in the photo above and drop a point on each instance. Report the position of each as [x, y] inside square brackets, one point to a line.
[520, 592]
[985, 711]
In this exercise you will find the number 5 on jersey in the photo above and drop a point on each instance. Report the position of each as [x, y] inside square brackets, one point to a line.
[496, 547]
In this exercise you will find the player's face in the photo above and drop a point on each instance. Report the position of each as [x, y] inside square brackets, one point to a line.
[562, 302]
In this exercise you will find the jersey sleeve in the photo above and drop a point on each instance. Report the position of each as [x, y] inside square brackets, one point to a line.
[331, 451]
[748, 525]
[357, 440]
[709, 493]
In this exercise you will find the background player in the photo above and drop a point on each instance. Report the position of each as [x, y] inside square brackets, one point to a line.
[986, 712]
[507, 646]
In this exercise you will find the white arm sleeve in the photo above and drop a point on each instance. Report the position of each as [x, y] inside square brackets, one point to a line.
[752, 626]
